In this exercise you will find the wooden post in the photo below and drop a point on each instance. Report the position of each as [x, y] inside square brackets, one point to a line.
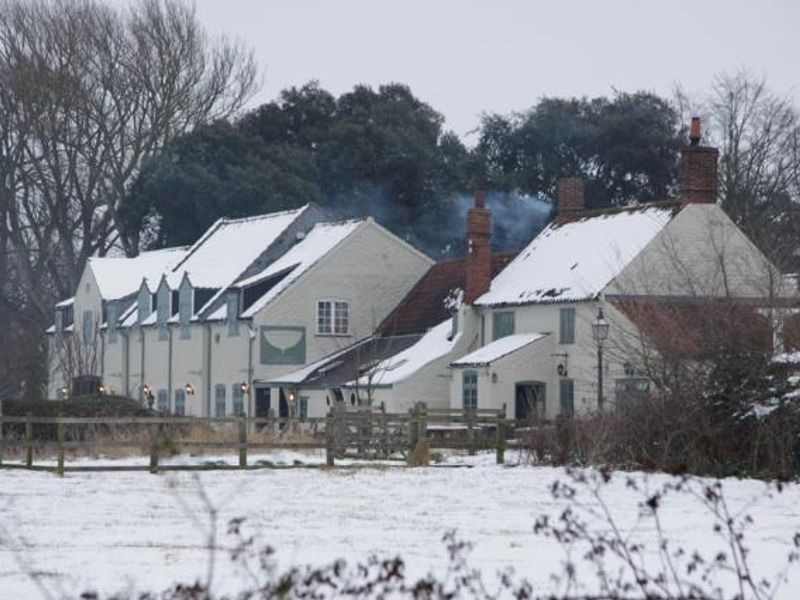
[154, 448]
[29, 440]
[501, 435]
[329, 439]
[471, 432]
[60, 437]
[413, 427]
[242, 443]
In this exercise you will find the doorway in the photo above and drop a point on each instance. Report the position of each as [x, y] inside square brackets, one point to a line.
[530, 401]
[263, 402]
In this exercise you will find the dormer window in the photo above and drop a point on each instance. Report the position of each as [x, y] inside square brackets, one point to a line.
[185, 303]
[163, 310]
[111, 322]
[333, 317]
[144, 305]
[233, 313]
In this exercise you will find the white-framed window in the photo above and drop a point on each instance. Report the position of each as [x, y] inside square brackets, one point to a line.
[567, 326]
[163, 401]
[333, 317]
[469, 390]
[219, 400]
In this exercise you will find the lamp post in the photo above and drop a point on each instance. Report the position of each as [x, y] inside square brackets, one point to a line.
[600, 335]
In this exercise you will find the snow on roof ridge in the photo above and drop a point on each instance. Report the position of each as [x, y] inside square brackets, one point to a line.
[280, 213]
[486, 355]
[228, 221]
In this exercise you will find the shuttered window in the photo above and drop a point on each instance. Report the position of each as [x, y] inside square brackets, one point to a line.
[238, 400]
[219, 400]
[567, 326]
[469, 390]
[163, 401]
[180, 402]
[502, 324]
[567, 397]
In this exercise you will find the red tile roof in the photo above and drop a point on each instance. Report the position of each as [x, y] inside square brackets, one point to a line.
[423, 307]
[698, 328]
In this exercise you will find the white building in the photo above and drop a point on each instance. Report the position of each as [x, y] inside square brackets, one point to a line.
[198, 330]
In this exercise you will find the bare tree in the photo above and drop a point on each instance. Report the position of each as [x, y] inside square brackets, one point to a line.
[758, 134]
[87, 93]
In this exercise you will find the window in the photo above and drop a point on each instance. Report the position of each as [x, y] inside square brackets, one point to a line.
[333, 317]
[238, 400]
[163, 401]
[567, 326]
[567, 397]
[180, 402]
[469, 392]
[629, 390]
[303, 408]
[502, 324]
[88, 327]
[233, 313]
[219, 400]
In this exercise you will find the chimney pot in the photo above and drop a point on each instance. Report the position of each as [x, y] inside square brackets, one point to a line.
[695, 132]
[570, 195]
[480, 198]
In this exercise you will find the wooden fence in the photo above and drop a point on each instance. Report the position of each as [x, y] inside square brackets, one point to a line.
[361, 433]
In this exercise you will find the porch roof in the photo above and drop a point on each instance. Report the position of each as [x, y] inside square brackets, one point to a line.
[497, 349]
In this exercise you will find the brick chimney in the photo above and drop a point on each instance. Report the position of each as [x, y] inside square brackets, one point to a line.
[698, 169]
[570, 195]
[479, 249]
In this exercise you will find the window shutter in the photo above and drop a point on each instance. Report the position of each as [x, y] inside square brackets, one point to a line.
[567, 397]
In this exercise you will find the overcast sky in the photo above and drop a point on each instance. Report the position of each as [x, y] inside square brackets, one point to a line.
[464, 57]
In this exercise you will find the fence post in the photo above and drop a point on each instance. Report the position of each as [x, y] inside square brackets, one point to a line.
[154, 448]
[2, 439]
[413, 427]
[423, 421]
[242, 443]
[29, 440]
[471, 431]
[60, 438]
[329, 439]
[501, 435]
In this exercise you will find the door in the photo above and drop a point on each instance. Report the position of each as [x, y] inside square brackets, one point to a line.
[530, 401]
[283, 406]
[263, 402]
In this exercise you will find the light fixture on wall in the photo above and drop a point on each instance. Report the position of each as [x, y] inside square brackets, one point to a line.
[64, 392]
[244, 387]
[189, 389]
[563, 365]
[600, 334]
[102, 390]
[494, 377]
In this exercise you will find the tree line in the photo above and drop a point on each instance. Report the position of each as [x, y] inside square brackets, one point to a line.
[124, 129]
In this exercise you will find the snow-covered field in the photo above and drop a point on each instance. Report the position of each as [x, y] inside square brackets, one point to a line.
[118, 531]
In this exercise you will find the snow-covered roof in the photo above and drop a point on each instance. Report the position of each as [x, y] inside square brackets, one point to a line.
[323, 238]
[229, 247]
[576, 260]
[497, 349]
[118, 277]
[300, 375]
[65, 303]
[434, 344]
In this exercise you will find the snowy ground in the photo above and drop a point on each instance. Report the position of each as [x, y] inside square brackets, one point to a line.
[119, 531]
